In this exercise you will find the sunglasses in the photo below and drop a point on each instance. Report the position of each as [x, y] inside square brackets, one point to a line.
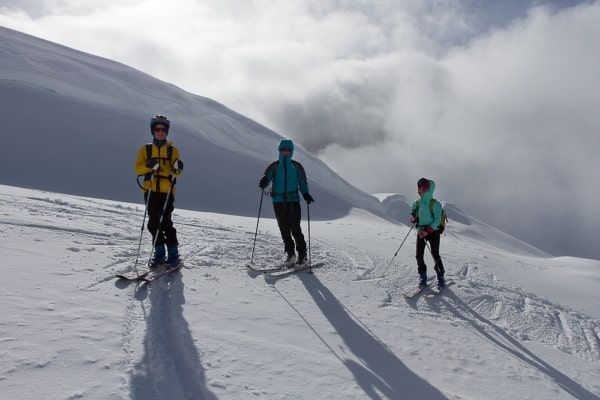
[285, 149]
[160, 129]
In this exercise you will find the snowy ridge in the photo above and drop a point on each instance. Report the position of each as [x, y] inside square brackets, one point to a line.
[217, 331]
[101, 109]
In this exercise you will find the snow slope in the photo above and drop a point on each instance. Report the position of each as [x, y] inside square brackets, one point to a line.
[513, 326]
[77, 121]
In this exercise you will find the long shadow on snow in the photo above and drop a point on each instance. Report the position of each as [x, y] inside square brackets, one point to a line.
[379, 368]
[498, 337]
[170, 367]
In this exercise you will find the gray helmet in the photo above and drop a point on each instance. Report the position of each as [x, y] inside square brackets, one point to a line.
[159, 120]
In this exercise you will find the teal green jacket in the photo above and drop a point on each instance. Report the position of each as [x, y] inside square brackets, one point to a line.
[287, 176]
[426, 217]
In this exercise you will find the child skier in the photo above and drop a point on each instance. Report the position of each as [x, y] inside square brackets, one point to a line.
[426, 213]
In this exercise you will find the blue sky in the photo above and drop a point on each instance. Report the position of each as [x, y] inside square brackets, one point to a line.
[494, 100]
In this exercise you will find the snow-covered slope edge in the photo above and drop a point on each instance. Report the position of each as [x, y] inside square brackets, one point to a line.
[215, 331]
[397, 208]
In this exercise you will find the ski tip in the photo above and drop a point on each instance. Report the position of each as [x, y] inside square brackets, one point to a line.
[127, 277]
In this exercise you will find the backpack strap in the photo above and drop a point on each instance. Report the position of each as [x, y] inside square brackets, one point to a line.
[148, 176]
[272, 166]
[300, 171]
[169, 151]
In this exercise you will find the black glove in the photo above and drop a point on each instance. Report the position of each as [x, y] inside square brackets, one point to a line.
[308, 198]
[177, 166]
[152, 163]
[263, 182]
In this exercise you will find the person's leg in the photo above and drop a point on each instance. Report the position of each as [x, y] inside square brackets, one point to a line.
[155, 206]
[283, 221]
[434, 241]
[296, 229]
[421, 266]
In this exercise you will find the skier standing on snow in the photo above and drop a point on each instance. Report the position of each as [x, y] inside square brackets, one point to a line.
[158, 162]
[426, 213]
[288, 178]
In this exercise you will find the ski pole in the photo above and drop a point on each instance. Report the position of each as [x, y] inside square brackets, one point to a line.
[262, 193]
[396, 253]
[309, 253]
[162, 215]
[143, 223]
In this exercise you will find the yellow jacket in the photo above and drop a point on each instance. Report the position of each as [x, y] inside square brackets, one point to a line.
[160, 178]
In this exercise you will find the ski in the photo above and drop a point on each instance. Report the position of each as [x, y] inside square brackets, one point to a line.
[154, 275]
[438, 290]
[414, 292]
[140, 275]
[133, 276]
[265, 270]
[295, 269]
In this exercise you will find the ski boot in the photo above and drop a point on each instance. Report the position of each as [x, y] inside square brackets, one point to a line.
[422, 280]
[439, 270]
[289, 261]
[302, 259]
[173, 259]
[158, 258]
[441, 280]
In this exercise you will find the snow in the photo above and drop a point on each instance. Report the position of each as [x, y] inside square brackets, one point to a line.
[512, 326]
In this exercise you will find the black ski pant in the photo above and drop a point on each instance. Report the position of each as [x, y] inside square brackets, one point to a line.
[434, 243]
[166, 233]
[288, 219]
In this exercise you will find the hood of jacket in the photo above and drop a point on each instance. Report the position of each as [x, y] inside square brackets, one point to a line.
[290, 145]
[424, 213]
[428, 195]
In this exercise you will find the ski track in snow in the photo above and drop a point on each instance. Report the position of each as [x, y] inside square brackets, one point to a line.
[168, 353]
[486, 304]
[159, 345]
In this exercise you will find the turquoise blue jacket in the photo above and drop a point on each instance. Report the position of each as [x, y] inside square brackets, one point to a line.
[427, 218]
[287, 176]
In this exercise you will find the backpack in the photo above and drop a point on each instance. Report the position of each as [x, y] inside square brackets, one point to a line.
[444, 216]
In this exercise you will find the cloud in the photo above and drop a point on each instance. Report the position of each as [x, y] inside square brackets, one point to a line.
[508, 128]
[496, 101]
